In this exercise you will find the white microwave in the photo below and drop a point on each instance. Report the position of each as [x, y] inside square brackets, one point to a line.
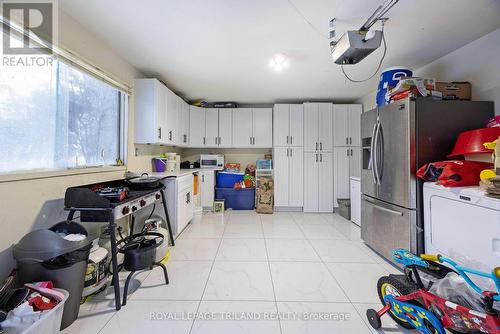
[214, 161]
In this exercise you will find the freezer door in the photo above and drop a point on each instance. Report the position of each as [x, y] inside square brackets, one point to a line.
[394, 144]
[386, 227]
[368, 180]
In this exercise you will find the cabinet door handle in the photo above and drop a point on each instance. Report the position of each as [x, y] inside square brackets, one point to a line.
[203, 140]
[316, 146]
[316, 157]
[346, 141]
[203, 178]
[216, 140]
[321, 146]
[291, 140]
[350, 140]
[250, 140]
[321, 157]
[291, 152]
[287, 140]
[287, 152]
[159, 133]
[351, 152]
[170, 135]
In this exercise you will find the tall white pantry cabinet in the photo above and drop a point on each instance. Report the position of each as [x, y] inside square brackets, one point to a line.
[318, 157]
[288, 155]
[347, 148]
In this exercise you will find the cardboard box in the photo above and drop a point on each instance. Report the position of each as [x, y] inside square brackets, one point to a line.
[454, 90]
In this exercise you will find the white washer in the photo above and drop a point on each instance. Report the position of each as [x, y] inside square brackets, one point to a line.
[462, 224]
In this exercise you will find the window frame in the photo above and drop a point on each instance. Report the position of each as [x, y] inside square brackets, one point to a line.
[81, 64]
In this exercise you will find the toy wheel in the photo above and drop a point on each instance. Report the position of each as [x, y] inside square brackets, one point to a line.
[391, 285]
[373, 318]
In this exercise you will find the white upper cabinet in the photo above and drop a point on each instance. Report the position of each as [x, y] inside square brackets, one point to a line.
[296, 125]
[196, 126]
[211, 127]
[252, 127]
[318, 135]
[150, 112]
[347, 124]
[355, 111]
[262, 123]
[325, 135]
[225, 128]
[311, 130]
[288, 127]
[242, 127]
[183, 122]
[172, 112]
[281, 125]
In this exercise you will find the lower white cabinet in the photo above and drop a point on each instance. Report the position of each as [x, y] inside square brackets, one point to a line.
[355, 183]
[347, 163]
[288, 176]
[207, 187]
[180, 204]
[318, 182]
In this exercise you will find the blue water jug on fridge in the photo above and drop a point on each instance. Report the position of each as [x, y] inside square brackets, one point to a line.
[389, 79]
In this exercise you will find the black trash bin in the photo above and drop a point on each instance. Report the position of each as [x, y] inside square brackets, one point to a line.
[44, 255]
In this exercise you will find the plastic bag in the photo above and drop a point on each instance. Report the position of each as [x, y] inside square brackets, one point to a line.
[454, 289]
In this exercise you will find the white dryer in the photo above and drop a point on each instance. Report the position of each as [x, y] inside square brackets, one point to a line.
[462, 224]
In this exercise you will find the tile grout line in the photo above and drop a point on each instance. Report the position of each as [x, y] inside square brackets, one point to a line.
[271, 275]
[340, 286]
[209, 274]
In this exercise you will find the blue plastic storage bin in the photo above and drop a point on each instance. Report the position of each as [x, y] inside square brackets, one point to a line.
[228, 179]
[237, 199]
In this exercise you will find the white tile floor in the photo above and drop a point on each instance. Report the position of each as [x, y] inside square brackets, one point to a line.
[289, 271]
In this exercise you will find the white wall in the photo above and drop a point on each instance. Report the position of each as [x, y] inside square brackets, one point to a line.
[29, 204]
[477, 62]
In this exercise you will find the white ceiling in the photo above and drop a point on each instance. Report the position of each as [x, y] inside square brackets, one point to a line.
[219, 50]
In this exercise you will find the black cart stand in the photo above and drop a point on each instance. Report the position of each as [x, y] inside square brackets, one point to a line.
[86, 201]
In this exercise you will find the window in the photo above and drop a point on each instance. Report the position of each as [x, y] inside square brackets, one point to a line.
[58, 117]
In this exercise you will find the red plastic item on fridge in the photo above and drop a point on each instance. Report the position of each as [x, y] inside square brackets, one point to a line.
[471, 142]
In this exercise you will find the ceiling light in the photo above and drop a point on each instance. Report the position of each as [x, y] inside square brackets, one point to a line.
[279, 62]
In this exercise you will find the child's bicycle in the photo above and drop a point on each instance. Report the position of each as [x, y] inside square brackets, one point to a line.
[409, 302]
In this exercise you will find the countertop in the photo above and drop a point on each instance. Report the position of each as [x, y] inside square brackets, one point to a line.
[178, 173]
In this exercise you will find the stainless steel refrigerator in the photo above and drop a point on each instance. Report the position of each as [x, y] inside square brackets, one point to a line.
[396, 140]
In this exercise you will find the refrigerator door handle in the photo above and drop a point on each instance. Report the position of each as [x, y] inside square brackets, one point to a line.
[380, 139]
[373, 160]
[381, 208]
[375, 153]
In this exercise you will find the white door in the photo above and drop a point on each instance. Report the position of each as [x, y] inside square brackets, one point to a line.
[325, 182]
[262, 127]
[242, 127]
[296, 127]
[196, 126]
[296, 177]
[355, 124]
[355, 162]
[341, 173]
[207, 185]
[281, 135]
[225, 127]
[311, 162]
[211, 127]
[311, 143]
[325, 132]
[340, 125]
[172, 117]
[281, 176]
[162, 113]
[185, 123]
[356, 201]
